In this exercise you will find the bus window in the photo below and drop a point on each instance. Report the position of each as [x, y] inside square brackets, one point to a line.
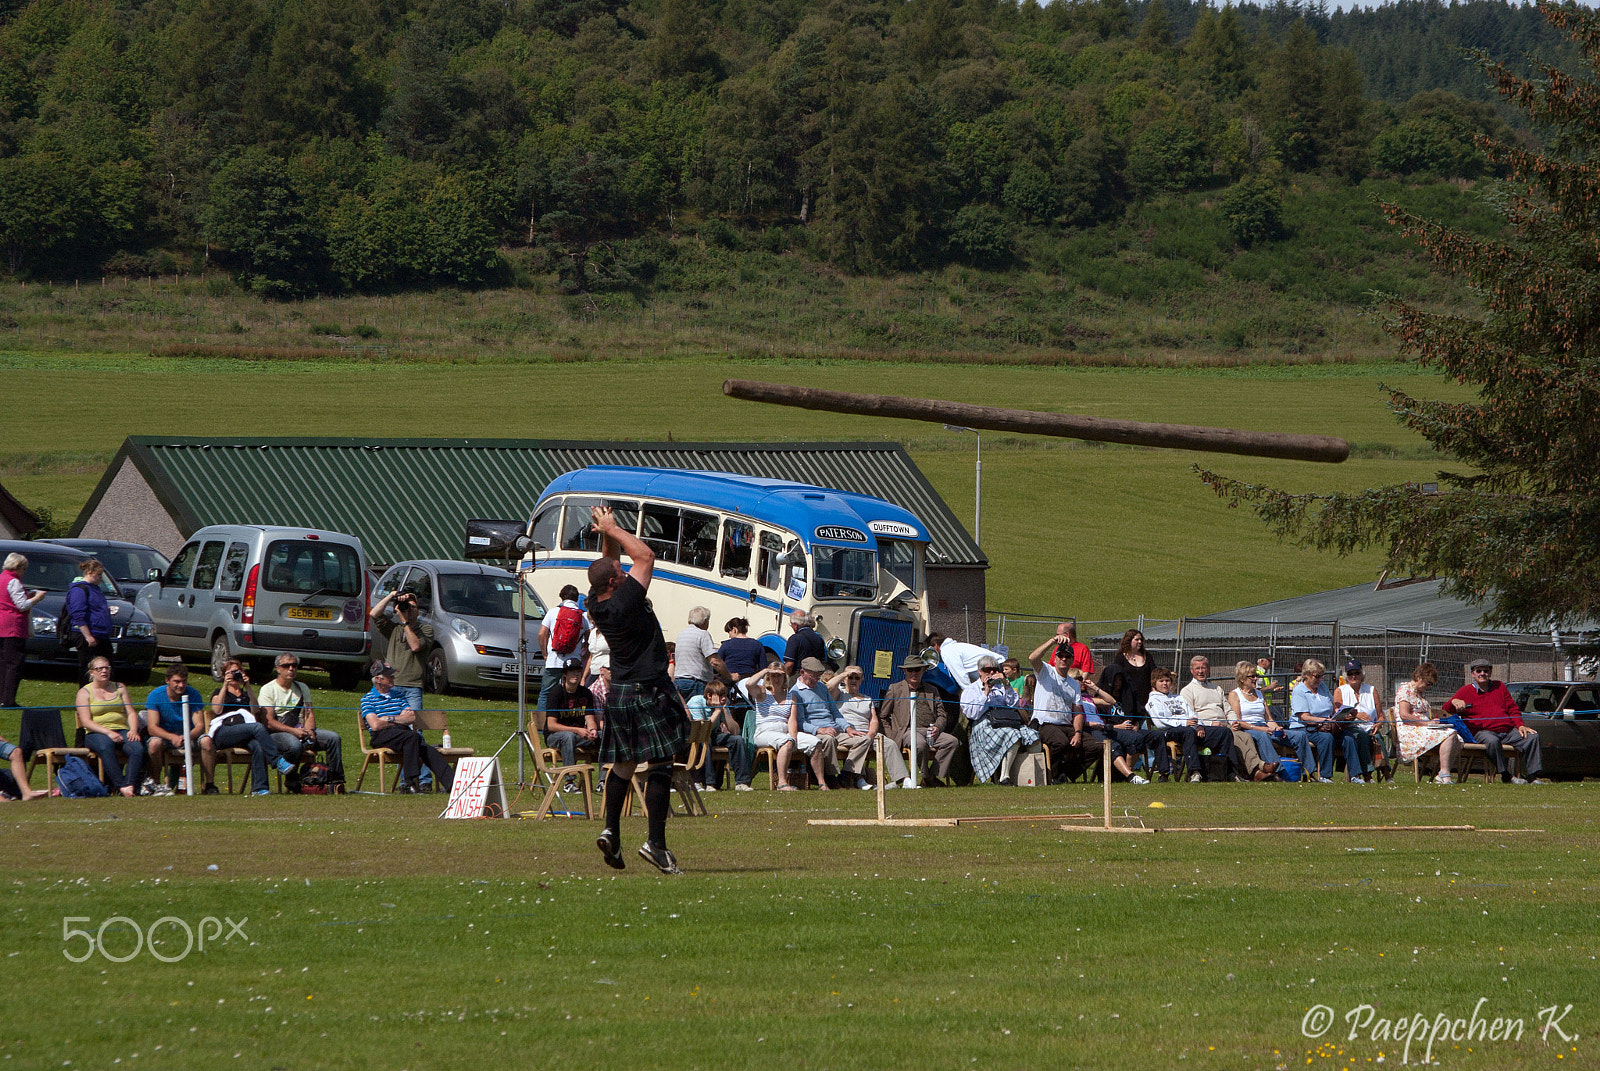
[659, 529]
[577, 528]
[544, 526]
[899, 560]
[771, 573]
[737, 540]
[699, 540]
[845, 573]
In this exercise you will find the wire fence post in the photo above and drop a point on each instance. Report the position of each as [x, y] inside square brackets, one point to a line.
[1177, 651]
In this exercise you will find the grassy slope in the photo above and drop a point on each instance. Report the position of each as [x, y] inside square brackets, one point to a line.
[1102, 532]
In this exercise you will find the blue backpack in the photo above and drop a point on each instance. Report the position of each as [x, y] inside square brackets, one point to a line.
[77, 781]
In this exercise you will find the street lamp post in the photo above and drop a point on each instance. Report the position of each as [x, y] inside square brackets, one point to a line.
[977, 518]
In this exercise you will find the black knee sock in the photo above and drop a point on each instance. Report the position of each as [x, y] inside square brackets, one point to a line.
[617, 789]
[657, 802]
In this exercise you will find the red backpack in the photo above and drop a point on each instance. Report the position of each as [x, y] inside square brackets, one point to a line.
[569, 627]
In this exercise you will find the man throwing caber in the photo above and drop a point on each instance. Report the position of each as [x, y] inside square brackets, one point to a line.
[645, 719]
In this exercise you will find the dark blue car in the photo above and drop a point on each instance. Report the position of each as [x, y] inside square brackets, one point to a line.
[52, 570]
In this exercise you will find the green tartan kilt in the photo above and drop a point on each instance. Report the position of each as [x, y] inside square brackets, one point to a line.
[644, 723]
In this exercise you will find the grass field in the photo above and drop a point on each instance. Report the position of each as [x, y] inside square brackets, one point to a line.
[1101, 532]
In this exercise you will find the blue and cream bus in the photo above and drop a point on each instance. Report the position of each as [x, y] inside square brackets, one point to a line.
[755, 548]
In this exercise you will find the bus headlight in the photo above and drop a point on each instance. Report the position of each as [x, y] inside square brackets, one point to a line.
[837, 649]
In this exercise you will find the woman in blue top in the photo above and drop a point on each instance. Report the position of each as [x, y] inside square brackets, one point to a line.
[1312, 728]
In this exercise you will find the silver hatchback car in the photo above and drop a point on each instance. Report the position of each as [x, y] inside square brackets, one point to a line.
[473, 611]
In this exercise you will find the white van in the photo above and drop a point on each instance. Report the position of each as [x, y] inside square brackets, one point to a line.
[250, 592]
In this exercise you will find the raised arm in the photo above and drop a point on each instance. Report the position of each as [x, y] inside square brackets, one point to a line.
[1036, 659]
[615, 541]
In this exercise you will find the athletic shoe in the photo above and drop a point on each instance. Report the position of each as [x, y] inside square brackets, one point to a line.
[890, 784]
[1195, 779]
[283, 765]
[863, 784]
[610, 846]
[149, 786]
[571, 786]
[262, 792]
[1323, 780]
[907, 783]
[660, 858]
[743, 788]
[209, 790]
[1135, 779]
[1358, 781]
[708, 788]
[1519, 780]
[159, 790]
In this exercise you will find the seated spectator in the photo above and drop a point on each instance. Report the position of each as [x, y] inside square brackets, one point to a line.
[392, 724]
[1128, 741]
[1057, 715]
[572, 720]
[777, 724]
[1495, 719]
[995, 729]
[820, 717]
[163, 724]
[1367, 702]
[286, 709]
[1250, 723]
[1011, 670]
[959, 659]
[14, 784]
[1171, 715]
[233, 724]
[111, 727]
[1313, 729]
[712, 705]
[913, 700]
[1210, 705]
[1419, 733]
[862, 727]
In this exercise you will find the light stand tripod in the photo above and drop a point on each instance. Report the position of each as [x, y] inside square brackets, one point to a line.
[520, 736]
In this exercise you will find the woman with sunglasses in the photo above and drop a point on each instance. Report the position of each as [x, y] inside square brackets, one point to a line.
[110, 727]
[1313, 727]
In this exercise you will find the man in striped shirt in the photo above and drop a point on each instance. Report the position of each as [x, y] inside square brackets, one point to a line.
[391, 723]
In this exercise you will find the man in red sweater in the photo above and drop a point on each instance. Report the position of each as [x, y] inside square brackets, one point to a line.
[1494, 718]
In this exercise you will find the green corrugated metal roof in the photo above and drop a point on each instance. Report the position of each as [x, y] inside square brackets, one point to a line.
[410, 498]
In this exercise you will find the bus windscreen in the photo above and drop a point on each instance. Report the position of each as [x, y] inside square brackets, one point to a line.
[844, 573]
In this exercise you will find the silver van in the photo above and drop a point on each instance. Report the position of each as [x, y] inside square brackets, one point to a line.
[250, 591]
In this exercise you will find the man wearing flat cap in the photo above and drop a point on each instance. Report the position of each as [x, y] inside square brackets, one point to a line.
[820, 716]
[935, 746]
[1495, 719]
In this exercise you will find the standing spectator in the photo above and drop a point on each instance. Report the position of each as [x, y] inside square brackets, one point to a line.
[1210, 705]
[712, 705]
[409, 639]
[645, 718]
[286, 708]
[1171, 714]
[697, 661]
[741, 655]
[1082, 657]
[89, 617]
[391, 723]
[571, 721]
[111, 727]
[1127, 741]
[1420, 733]
[912, 699]
[560, 634]
[233, 724]
[819, 716]
[15, 602]
[1127, 677]
[1248, 718]
[163, 723]
[995, 729]
[1057, 706]
[1264, 682]
[804, 642]
[959, 659]
[1367, 702]
[863, 727]
[1495, 719]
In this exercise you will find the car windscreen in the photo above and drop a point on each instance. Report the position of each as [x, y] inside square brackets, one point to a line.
[57, 574]
[478, 595]
[131, 563]
[304, 567]
[845, 573]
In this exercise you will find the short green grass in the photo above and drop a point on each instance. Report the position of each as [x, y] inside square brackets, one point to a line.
[379, 937]
[1096, 531]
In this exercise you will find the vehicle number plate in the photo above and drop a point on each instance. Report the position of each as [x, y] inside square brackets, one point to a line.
[509, 667]
[309, 613]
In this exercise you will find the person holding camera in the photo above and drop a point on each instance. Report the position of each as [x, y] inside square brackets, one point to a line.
[996, 731]
[233, 724]
[409, 639]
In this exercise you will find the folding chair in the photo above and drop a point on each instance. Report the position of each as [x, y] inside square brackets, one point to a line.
[41, 736]
[435, 721]
[382, 755]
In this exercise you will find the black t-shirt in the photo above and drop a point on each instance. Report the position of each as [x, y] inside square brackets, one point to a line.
[638, 650]
[580, 701]
[742, 655]
[805, 643]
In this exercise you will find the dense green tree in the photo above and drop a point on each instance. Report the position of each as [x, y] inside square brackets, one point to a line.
[1253, 210]
[1515, 523]
[258, 220]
